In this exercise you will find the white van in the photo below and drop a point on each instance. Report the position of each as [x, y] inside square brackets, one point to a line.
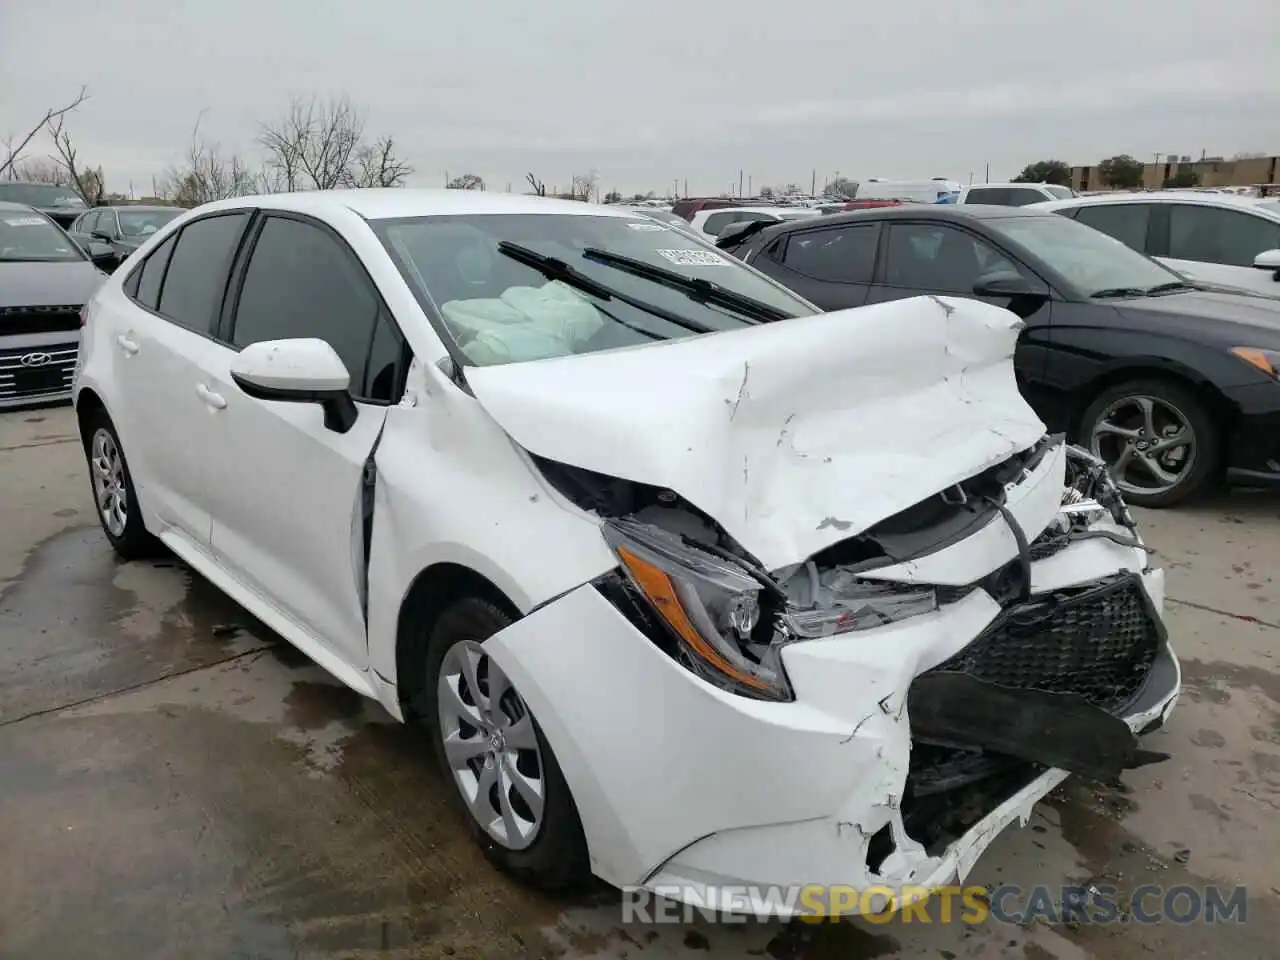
[919, 191]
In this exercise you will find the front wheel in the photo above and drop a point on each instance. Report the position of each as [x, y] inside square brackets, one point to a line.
[1158, 439]
[516, 801]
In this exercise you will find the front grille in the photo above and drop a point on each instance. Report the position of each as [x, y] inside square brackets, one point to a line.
[47, 379]
[1098, 642]
[15, 321]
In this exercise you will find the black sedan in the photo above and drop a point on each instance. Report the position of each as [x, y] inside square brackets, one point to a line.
[124, 228]
[1174, 386]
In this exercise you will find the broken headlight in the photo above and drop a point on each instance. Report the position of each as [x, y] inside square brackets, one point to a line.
[837, 601]
[721, 618]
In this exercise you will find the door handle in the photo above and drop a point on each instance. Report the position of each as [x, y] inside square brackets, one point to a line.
[214, 400]
[130, 347]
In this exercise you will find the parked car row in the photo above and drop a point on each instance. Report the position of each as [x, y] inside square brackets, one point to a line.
[1171, 384]
[1215, 238]
[344, 408]
[45, 280]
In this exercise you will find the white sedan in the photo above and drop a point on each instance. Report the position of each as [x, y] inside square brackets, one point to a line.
[713, 222]
[684, 596]
[1216, 238]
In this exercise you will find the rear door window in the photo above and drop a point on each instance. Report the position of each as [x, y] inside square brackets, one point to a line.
[196, 279]
[1126, 222]
[992, 195]
[1213, 235]
[838, 255]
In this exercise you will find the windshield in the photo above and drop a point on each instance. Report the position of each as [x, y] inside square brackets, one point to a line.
[143, 223]
[1090, 260]
[30, 236]
[1061, 193]
[500, 310]
[40, 195]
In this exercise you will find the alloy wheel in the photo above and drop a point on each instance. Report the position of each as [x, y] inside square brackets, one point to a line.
[490, 745]
[1148, 443]
[109, 487]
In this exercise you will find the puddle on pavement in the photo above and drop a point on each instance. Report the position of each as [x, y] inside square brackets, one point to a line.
[259, 808]
[78, 624]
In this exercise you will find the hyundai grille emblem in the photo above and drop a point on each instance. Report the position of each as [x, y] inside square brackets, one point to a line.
[35, 359]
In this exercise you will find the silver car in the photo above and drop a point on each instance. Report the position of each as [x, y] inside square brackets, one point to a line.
[45, 278]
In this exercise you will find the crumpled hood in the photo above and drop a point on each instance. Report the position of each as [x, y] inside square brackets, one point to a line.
[68, 283]
[792, 435]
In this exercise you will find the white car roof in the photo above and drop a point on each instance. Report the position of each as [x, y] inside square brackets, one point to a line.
[390, 202]
[1002, 186]
[748, 210]
[1229, 201]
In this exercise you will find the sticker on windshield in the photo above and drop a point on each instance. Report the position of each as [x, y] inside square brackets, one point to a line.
[651, 227]
[25, 221]
[694, 258]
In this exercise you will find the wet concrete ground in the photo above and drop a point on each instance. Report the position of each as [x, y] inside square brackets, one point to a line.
[175, 781]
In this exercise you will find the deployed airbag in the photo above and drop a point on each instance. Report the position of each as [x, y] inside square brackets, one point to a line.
[524, 323]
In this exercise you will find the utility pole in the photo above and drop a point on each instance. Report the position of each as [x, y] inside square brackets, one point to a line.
[988, 174]
[446, 179]
[739, 183]
[813, 182]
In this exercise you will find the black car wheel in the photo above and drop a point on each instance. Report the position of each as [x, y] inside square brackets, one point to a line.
[1158, 438]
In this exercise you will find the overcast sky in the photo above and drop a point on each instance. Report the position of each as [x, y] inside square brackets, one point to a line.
[651, 91]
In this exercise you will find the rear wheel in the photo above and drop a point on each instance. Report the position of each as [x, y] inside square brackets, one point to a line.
[1158, 439]
[504, 775]
[113, 492]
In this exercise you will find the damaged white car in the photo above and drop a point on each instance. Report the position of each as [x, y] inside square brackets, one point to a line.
[685, 597]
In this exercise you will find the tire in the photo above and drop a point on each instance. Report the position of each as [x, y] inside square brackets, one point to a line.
[1170, 403]
[114, 496]
[554, 855]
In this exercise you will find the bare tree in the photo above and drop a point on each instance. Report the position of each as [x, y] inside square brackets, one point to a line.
[584, 184]
[319, 146]
[539, 187]
[40, 171]
[376, 165]
[12, 153]
[468, 181]
[87, 181]
[207, 174]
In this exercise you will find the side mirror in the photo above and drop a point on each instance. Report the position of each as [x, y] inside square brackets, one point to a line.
[303, 370]
[738, 231]
[101, 254]
[1267, 260]
[101, 235]
[1007, 284]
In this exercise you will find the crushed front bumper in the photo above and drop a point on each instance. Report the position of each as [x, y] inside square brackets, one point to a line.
[698, 794]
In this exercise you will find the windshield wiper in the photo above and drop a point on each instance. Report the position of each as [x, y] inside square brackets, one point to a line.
[1171, 287]
[695, 288]
[1118, 292]
[554, 269]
